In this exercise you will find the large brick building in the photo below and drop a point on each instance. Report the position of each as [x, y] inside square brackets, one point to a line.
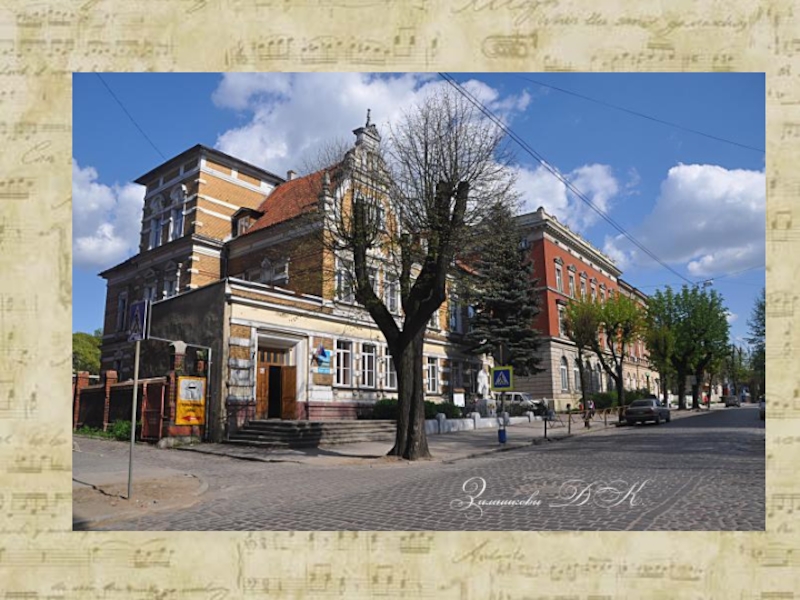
[567, 266]
[231, 259]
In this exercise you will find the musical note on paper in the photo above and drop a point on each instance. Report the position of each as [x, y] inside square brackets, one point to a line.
[781, 304]
[325, 50]
[509, 46]
[16, 188]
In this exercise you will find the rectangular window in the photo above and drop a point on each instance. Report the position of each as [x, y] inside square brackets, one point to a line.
[559, 282]
[368, 365]
[344, 282]
[391, 372]
[458, 375]
[150, 292]
[602, 295]
[344, 364]
[169, 288]
[391, 295]
[433, 323]
[456, 315]
[176, 224]
[561, 328]
[583, 288]
[571, 285]
[122, 311]
[594, 293]
[433, 376]
[372, 274]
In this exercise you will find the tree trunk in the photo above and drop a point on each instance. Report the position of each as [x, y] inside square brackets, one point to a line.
[681, 390]
[620, 391]
[411, 441]
[664, 390]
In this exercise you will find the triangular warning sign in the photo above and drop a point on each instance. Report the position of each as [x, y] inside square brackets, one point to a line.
[501, 379]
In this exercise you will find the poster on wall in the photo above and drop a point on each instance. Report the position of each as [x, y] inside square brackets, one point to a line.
[191, 405]
[323, 358]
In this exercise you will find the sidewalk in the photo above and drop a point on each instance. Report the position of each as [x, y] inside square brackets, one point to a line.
[445, 447]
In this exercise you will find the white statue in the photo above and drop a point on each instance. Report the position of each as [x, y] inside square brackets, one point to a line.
[483, 383]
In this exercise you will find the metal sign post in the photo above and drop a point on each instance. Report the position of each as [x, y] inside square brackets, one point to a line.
[502, 381]
[138, 328]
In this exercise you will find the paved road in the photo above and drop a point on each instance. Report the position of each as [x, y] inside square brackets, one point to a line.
[700, 473]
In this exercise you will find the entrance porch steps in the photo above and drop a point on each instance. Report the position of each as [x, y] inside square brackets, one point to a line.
[305, 434]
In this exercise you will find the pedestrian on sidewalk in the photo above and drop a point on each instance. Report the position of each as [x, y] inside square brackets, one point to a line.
[587, 415]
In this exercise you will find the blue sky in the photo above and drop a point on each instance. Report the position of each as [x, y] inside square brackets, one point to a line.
[697, 203]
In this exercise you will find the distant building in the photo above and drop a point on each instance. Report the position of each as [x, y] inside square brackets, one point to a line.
[566, 267]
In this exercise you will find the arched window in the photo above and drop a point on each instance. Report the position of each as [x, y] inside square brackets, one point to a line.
[599, 377]
[564, 375]
[576, 372]
[156, 222]
[588, 373]
[178, 196]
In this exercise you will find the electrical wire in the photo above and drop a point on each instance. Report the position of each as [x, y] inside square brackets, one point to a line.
[122, 106]
[539, 158]
[643, 115]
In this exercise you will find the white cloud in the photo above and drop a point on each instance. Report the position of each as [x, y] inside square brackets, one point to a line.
[731, 317]
[290, 116]
[541, 188]
[707, 217]
[106, 220]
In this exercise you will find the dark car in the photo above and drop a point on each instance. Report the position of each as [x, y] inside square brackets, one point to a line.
[647, 409]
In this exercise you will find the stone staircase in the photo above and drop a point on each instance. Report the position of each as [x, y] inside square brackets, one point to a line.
[274, 433]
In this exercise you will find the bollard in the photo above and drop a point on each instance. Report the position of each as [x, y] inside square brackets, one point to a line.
[605, 418]
[501, 435]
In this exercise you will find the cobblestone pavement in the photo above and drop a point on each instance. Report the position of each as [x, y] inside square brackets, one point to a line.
[701, 473]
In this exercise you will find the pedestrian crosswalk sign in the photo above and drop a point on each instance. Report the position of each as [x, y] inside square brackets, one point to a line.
[138, 321]
[503, 379]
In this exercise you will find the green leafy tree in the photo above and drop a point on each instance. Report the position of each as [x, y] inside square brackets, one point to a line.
[709, 322]
[581, 325]
[660, 343]
[622, 321]
[86, 351]
[757, 328]
[504, 297]
[698, 321]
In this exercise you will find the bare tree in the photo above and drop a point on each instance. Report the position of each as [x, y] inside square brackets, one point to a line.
[408, 206]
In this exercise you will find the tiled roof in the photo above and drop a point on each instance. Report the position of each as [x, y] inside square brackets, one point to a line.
[289, 200]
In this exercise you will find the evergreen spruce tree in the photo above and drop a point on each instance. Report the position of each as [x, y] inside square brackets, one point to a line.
[503, 297]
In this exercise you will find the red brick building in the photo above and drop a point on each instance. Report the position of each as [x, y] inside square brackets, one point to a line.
[566, 266]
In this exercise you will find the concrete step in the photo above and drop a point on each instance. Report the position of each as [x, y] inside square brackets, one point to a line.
[294, 434]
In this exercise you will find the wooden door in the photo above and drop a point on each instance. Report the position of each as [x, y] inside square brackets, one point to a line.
[289, 393]
[262, 387]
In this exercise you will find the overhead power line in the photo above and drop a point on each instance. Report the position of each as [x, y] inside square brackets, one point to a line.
[643, 115]
[539, 158]
[122, 106]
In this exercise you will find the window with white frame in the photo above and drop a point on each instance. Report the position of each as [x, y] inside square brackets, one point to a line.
[344, 363]
[470, 318]
[456, 320]
[150, 291]
[170, 287]
[559, 280]
[344, 282]
[564, 375]
[562, 329]
[176, 223]
[594, 292]
[368, 354]
[391, 372]
[571, 285]
[432, 386]
[433, 323]
[122, 311]
[576, 375]
[583, 286]
[372, 275]
[391, 293]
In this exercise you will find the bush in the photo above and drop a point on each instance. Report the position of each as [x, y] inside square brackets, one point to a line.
[517, 410]
[387, 409]
[604, 400]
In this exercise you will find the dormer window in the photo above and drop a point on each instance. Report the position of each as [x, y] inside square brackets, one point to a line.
[242, 225]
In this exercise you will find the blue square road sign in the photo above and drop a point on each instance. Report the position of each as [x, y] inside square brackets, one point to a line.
[503, 379]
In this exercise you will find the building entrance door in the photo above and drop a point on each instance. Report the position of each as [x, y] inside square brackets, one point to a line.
[276, 385]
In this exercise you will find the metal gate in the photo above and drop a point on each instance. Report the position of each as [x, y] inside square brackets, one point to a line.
[152, 409]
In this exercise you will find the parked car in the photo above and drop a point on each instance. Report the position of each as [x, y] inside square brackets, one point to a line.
[732, 401]
[647, 409]
[762, 408]
[538, 407]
